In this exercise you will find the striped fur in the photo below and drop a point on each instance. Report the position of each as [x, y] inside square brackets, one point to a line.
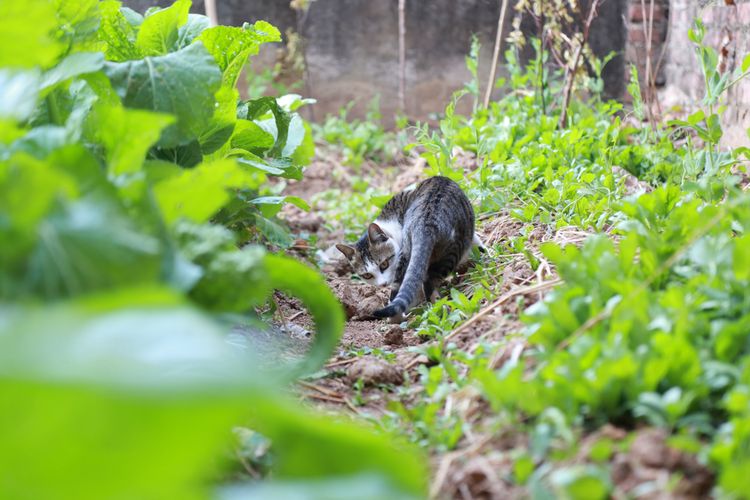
[437, 230]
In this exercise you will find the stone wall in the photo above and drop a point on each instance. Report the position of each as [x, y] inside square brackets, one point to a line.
[726, 25]
[352, 46]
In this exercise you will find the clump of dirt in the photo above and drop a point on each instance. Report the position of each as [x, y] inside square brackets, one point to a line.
[374, 371]
[394, 335]
[650, 460]
[359, 299]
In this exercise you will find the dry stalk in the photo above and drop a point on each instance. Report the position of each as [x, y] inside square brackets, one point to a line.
[496, 52]
[570, 72]
[647, 27]
[402, 54]
[501, 300]
[213, 17]
[341, 362]
[322, 390]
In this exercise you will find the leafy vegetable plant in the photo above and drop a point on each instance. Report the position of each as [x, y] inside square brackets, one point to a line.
[133, 195]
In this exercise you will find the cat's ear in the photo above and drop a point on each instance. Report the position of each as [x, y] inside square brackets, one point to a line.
[375, 234]
[346, 250]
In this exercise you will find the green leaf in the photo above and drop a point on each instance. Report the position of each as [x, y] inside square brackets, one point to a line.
[90, 246]
[401, 465]
[26, 34]
[746, 63]
[251, 137]
[76, 64]
[187, 33]
[231, 46]
[741, 258]
[254, 109]
[186, 155]
[275, 232]
[198, 193]
[126, 134]
[137, 363]
[117, 32]
[223, 122]
[305, 152]
[79, 21]
[159, 31]
[295, 137]
[277, 201]
[181, 83]
[28, 190]
[19, 91]
[714, 128]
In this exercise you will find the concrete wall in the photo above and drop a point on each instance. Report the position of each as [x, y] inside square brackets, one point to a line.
[352, 46]
[726, 25]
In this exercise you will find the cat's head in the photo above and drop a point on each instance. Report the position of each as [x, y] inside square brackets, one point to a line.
[373, 258]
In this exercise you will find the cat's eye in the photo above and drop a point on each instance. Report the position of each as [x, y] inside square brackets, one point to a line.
[384, 265]
[366, 276]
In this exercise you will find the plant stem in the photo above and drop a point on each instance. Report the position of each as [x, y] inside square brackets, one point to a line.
[213, 17]
[647, 35]
[402, 54]
[571, 71]
[496, 52]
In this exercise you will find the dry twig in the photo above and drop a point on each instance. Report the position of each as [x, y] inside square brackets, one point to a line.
[402, 55]
[496, 52]
[570, 72]
[213, 17]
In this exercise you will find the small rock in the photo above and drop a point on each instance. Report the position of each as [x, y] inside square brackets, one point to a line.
[394, 335]
[374, 371]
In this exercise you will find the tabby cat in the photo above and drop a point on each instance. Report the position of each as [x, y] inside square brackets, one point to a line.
[419, 238]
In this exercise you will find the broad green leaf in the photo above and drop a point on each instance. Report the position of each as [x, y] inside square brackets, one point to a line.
[259, 164]
[399, 464]
[251, 137]
[19, 91]
[746, 63]
[126, 134]
[292, 102]
[295, 137]
[87, 246]
[368, 486]
[79, 21]
[198, 193]
[78, 63]
[231, 46]
[159, 31]
[273, 231]
[254, 109]
[117, 382]
[304, 153]
[117, 33]
[714, 128]
[181, 83]
[195, 25]
[26, 34]
[186, 155]
[276, 202]
[223, 122]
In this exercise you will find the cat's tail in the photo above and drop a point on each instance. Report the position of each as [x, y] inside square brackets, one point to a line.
[414, 277]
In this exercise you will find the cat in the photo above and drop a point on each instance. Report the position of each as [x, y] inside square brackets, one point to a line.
[419, 238]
